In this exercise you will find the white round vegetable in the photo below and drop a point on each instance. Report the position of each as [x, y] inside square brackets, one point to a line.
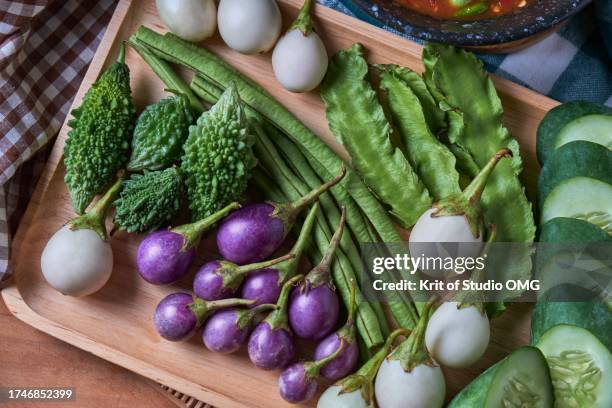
[192, 20]
[299, 59]
[251, 26]
[422, 387]
[457, 337]
[332, 398]
[77, 263]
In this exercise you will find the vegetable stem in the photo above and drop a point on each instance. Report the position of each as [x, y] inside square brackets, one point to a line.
[278, 318]
[265, 264]
[321, 274]
[312, 368]
[246, 316]
[192, 232]
[95, 218]
[303, 22]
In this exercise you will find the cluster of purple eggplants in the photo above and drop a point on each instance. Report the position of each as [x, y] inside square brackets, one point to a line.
[307, 306]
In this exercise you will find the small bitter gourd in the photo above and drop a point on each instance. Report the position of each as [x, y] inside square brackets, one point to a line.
[160, 133]
[217, 156]
[99, 140]
[149, 200]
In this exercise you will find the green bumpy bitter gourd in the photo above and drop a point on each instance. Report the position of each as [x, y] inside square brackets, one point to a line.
[149, 200]
[160, 132]
[99, 140]
[217, 156]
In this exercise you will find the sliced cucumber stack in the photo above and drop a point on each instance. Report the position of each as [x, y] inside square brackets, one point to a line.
[580, 367]
[521, 379]
[572, 121]
[576, 182]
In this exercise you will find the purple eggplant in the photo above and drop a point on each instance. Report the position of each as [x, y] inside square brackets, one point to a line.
[178, 315]
[221, 279]
[164, 256]
[264, 285]
[347, 360]
[298, 382]
[254, 232]
[271, 343]
[228, 329]
[314, 305]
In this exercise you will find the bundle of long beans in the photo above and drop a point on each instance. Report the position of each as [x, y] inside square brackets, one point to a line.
[293, 160]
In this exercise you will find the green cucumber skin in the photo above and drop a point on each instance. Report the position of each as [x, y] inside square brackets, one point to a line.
[591, 315]
[575, 159]
[556, 119]
[479, 392]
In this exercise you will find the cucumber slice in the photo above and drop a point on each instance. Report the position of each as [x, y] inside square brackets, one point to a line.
[557, 119]
[576, 182]
[522, 379]
[591, 128]
[580, 367]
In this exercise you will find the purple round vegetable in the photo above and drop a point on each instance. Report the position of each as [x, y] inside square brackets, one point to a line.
[347, 360]
[264, 286]
[228, 329]
[298, 382]
[314, 305]
[254, 232]
[178, 315]
[220, 279]
[271, 343]
[164, 256]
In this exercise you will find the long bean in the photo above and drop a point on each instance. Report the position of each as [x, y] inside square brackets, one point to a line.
[168, 76]
[367, 323]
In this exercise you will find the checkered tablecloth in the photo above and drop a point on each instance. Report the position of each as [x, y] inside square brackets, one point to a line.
[46, 46]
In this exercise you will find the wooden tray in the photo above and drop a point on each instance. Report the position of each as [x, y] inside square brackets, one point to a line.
[115, 323]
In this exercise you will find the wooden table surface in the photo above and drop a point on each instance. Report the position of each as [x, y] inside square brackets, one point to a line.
[31, 358]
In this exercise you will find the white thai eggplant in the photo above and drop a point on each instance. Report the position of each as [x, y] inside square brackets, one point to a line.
[299, 59]
[408, 377]
[457, 219]
[192, 20]
[249, 27]
[78, 259]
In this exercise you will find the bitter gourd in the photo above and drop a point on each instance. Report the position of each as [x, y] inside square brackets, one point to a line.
[149, 200]
[99, 140]
[218, 156]
[160, 132]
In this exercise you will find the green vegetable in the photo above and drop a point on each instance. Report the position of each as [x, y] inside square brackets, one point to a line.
[577, 120]
[399, 305]
[99, 139]
[433, 162]
[576, 182]
[342, 270]
[358, 120]
[593, 315]
[519, 380]
[322, 159]
[218, 158]
[472, 10]
[160, 133]
[580, 367]
[149, 200]
[457, 79]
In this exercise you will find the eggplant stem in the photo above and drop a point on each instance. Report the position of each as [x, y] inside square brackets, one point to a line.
[193, 232]
[278, 318]
[321, 274]
[311, 196]
[312, 368]
[474, 190]
[303, 22]
[95, 218]
[240, 270]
